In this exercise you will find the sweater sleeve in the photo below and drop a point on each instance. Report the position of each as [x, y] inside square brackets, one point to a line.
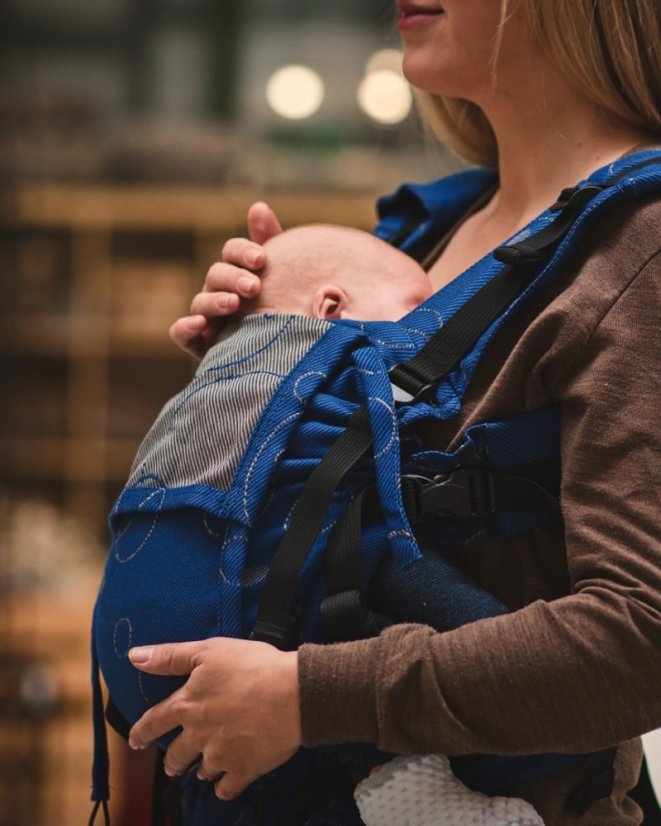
[576, 674]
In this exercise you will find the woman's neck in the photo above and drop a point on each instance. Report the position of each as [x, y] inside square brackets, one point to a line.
[546, 144]
[549, 141]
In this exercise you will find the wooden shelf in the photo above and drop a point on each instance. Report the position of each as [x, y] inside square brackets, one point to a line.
[98, 275]
[41, 334]
[77, 460]
[170, 208]
[36, 333]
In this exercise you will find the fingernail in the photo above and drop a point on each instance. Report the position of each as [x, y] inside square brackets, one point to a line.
[252, 257]
[141, 655]
[246, 284]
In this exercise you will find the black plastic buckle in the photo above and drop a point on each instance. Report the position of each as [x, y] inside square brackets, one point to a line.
[401, 396]
[463, 494]
[576, 194]
[518, 255]
[564, 198]
[403, 376]
[346, 617]
[275, 635]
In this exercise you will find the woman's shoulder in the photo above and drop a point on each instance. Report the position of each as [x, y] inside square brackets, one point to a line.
[633, 220]
[629, 216]
[621, 243]
[618, 243]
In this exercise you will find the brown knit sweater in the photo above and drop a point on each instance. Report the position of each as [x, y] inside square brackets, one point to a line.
[578, 668]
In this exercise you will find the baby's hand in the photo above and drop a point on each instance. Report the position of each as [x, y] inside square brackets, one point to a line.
[226, 283]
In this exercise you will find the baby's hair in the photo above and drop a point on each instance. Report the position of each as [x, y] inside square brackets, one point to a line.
[330, 271]
[323, 254]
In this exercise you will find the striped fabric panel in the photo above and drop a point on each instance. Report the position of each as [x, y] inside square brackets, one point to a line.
[201, 433]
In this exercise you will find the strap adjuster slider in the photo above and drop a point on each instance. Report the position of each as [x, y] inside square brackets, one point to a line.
[462, 494]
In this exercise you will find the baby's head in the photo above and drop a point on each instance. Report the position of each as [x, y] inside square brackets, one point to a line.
[329, 271]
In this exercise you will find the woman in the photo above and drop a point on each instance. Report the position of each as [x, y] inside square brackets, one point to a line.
[548, 91]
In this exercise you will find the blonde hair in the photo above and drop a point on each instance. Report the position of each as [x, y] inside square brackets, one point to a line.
[609, 49]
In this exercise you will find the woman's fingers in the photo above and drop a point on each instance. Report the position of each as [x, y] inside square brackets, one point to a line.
[181, 756]
[170, 658]
[230, 279]
[215, 305]
[194, 334]
[227, 283]
[156, 722]
[262, 222]
[241, 252]
[239, 708]
[232, 783]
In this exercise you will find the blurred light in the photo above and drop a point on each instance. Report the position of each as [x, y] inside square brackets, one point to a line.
[385, 96]
[38, 691]
[390, 59]
[295, 92]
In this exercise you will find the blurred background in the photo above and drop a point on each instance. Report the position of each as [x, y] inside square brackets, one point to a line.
[134, 134]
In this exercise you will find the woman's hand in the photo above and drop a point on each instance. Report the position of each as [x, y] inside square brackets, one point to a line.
[239, 709]
[226, 283]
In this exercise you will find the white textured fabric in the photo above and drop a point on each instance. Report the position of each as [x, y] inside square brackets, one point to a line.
[423, 791]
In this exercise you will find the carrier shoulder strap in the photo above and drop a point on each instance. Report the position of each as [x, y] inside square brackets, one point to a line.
[412, 381]
[415, 377]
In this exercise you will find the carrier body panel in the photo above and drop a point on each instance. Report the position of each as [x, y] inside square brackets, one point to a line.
[199, 500]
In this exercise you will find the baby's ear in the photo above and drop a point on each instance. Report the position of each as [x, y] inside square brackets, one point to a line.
[329, 301]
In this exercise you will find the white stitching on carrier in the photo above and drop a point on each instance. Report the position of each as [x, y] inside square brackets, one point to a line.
[122, 654]
[305, 376]
[257, 457]
[393, 425]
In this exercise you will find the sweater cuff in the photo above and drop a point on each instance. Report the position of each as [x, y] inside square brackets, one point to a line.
[337, 692]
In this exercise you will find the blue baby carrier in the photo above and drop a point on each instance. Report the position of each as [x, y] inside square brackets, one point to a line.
[331, 522]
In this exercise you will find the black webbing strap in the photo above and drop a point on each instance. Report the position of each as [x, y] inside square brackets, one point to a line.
[100, 806]
[344, 612]
[116, 720]
[274, 618]
[446, 347]
[166, 796]
[158, 790]
[567, 194]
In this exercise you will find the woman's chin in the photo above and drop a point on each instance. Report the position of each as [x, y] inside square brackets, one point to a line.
[436, 81]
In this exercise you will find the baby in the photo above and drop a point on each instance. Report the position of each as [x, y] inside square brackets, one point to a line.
[337, 272]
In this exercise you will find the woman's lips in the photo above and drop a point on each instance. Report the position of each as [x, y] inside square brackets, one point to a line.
[413, 14]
